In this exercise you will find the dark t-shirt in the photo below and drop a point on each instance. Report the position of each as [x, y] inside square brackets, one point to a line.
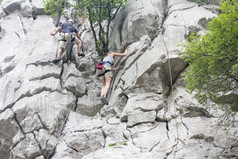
[68, 28]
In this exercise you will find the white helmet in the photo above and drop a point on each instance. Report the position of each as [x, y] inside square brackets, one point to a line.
[71, 20]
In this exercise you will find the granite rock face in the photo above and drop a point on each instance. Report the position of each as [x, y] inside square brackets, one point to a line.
[54, 111]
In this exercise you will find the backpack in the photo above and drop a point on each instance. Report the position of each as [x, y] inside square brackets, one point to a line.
[100, 65]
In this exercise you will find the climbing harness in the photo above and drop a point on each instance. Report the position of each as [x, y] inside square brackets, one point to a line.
[63, 37]
[102, 74]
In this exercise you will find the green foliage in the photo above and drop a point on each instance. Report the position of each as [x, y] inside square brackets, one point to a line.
[168, 93]
[55, 7]
[234, 107]
[114, 144]
[99, 12]
[213, 57]
[231, 99]
[122, 143]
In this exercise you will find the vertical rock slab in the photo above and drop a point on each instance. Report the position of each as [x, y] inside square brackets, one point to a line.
[128, 23]
[28, 148]
[10, 6]
[82, 135]
[38, 7]
[9, 128]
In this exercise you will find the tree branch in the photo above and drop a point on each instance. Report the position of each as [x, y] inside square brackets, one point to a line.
[116, 11]
[100, 27]
[108, 25]
[91, 24]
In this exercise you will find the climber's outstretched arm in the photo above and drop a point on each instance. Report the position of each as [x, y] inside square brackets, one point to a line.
[57, 30]
[113, 54]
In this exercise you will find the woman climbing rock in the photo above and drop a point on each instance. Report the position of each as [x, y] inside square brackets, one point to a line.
[105, 74]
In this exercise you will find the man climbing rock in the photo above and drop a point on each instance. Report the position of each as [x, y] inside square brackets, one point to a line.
[68, 34]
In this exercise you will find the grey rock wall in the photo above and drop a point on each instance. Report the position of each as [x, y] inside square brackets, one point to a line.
[54, 111]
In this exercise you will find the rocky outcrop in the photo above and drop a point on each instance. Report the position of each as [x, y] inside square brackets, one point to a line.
[54, 111]
[25, 8]
[11, 128]
[134, 21]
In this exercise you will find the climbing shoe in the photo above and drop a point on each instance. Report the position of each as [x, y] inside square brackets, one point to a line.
[81, 54]
[104, 100]
[57, 60]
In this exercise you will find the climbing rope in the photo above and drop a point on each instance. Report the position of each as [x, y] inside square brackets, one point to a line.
[171, 86]
[171, 82]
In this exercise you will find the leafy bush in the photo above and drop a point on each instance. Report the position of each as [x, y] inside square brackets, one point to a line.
[213, 57]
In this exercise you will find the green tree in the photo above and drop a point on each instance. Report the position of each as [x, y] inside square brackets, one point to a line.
[55, 8]
[100, 14]
[213, 57]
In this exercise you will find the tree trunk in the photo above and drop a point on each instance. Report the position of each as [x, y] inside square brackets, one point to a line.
[94, 33]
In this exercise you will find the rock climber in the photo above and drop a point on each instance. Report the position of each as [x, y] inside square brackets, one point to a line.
[105, 74]
[68, 34]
